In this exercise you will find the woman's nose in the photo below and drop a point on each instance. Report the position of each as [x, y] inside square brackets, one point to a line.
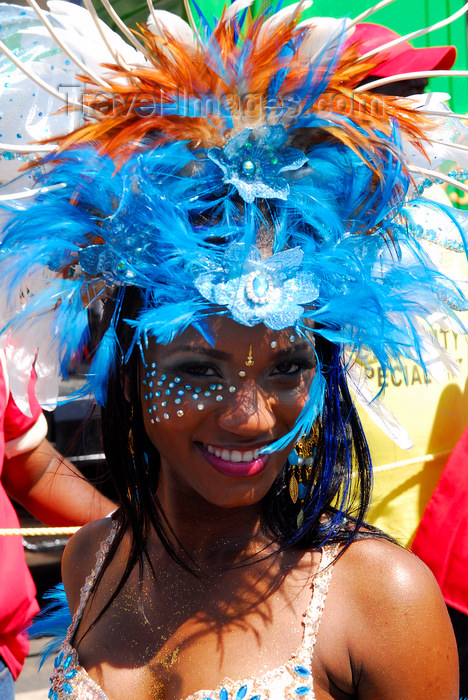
[250, 412]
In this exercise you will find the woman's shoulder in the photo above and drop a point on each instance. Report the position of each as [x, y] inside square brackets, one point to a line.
[389, 567]
[386, 610]
[79, 558]
[375, 574]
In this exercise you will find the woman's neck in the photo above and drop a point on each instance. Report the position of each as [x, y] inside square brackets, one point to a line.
[215, 537]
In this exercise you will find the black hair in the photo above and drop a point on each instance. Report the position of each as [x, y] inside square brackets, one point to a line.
[397, 88]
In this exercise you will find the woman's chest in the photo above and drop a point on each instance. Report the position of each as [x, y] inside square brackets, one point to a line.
[173, 648]
[220, 670]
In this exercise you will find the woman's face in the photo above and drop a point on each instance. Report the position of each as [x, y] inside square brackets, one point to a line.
[210, 410]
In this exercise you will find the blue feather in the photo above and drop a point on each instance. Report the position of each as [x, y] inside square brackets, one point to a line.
[156, 222]
[53, 621]
[103, 364]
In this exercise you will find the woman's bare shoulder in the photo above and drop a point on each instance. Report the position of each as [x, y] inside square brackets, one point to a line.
[394, 624]
[390, 568]
[79, 557]
[389, 580]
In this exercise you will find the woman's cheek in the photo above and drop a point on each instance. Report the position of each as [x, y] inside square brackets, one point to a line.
[166, 396]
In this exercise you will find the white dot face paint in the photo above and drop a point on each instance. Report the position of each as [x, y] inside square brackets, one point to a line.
[173, 391]
[195, 376]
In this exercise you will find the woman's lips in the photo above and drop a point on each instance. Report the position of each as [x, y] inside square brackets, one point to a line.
[240, 463]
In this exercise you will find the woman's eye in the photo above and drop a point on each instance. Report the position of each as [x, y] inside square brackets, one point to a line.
[286, 367]
[292, 367]
[199, 370]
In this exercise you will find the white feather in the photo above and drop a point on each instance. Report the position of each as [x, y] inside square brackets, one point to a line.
[166, 24]
[448, 138]
[19, 365]
[63, 45]
[82, 34]
[363, 390]
[123, 27]
[321, 32]
[284, 16]
[236, 7]
[364, 15]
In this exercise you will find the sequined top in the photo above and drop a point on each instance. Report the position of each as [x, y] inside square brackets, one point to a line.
[293, 679]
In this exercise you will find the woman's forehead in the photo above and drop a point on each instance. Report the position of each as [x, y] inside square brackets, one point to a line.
[223, 333]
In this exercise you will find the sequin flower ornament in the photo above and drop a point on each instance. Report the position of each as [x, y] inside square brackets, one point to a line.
[254, 161]
[272, 290]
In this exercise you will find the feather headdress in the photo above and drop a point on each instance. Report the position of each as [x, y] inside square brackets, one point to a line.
[193, 143]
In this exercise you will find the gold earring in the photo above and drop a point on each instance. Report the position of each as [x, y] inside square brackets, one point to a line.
[293, 485]
[130, 435]
[249, 361]
[301, 456]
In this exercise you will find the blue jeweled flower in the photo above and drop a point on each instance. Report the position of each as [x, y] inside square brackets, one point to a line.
[254, 160]
[255, 290]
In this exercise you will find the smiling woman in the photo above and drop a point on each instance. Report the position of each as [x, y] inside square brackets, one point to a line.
[226, 416]
[250, 267]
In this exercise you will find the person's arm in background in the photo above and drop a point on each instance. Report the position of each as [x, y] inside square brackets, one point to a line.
[51, 488]
[36, 475]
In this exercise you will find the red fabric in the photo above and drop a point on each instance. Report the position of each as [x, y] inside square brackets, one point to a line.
[401, 58]
[17, 591]
[442, 537]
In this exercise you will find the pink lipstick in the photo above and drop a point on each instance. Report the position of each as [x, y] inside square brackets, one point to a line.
[239, 469]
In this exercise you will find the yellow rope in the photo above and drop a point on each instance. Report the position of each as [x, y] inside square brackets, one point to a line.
[41, 531]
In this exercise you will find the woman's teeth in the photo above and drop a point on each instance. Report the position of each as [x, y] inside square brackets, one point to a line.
[233, 455]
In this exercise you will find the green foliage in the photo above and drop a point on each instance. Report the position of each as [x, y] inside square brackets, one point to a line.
[136, 11]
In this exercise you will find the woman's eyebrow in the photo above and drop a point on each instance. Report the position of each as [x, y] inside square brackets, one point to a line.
[211, 352]
[298, 347]
[221, 355]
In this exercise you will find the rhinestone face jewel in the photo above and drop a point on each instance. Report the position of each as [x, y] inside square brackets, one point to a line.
[172, 392]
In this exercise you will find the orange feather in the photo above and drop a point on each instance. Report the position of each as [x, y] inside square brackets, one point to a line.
[131, 114]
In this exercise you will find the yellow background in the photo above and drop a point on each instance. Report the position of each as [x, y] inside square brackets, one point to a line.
[435, 415]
